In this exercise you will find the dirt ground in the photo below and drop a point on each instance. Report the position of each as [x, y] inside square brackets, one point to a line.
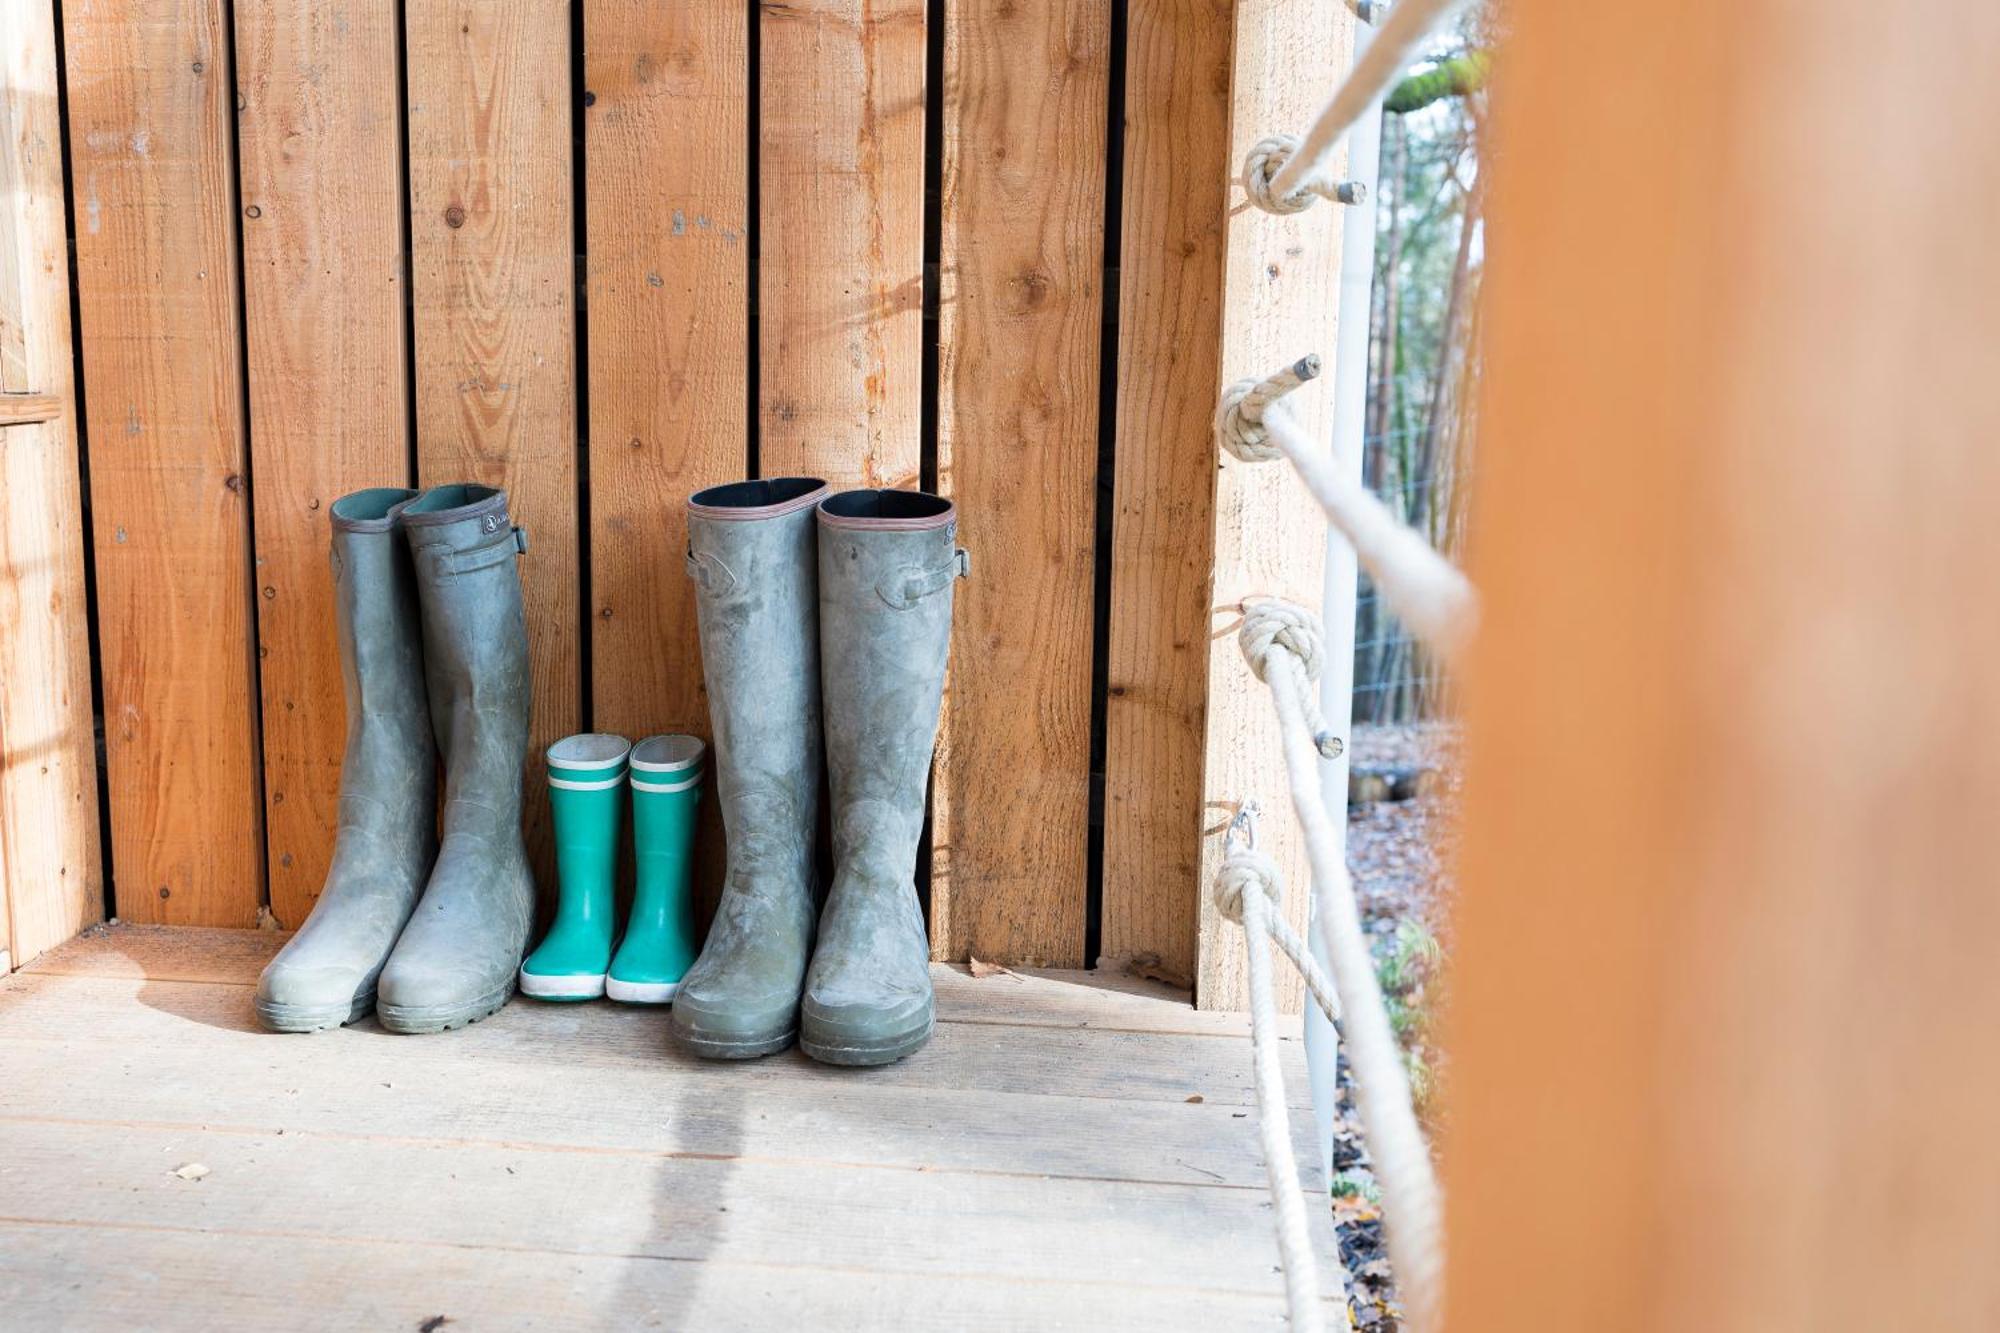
[1399, 852]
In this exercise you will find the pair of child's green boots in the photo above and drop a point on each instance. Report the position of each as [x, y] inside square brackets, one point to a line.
[588, 778]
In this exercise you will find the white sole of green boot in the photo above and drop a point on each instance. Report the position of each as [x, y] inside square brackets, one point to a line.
[540, 987]
[641, 992]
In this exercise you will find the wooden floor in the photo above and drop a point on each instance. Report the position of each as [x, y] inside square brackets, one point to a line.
[1064, 1153]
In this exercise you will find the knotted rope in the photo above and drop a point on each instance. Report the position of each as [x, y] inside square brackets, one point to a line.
[1273, 626]
[1239, 423]
[1247, 889]
[1283, 173]
[1251, 870]
[1262, 165]
[1421, 586]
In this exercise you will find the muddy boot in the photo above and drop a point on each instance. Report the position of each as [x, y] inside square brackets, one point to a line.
[751, 556]
[886, 567]
[458, 957]
[382, 853]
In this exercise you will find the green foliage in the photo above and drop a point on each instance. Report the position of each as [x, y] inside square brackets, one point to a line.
[1347, 1186]
[1405, 965]
[1452, 77]
[1423, 336]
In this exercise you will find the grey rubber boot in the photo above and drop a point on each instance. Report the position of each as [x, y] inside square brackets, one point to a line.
[325, 975]
[887, 562]
[457, 959]
[751, 556]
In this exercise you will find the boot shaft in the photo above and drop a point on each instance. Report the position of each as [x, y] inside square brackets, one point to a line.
[751, 555]
[376, 619]
[389, 766]
[586, 776]
[666, 792]
[463, 547]
[887, 564]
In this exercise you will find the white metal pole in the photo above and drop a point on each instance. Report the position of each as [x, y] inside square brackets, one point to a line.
[1349, 387]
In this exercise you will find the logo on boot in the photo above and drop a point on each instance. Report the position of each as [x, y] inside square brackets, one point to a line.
[492, 522]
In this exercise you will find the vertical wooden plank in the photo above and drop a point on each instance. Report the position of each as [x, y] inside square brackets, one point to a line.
[666, 207]
[321, 170]
[1728, 918]
[1169, 350]
[151, 100]
[667, 215]
[492, 262]
[51, 873]
[1280, 295]
[1022, 256]
[841, 248]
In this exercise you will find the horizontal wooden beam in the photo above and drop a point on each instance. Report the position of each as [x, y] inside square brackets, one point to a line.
[29, 409]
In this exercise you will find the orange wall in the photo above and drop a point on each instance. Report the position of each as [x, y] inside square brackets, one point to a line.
[1726, 1009]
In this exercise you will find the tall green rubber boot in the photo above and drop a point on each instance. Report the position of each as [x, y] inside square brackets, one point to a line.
[660, 942]
[587, 797]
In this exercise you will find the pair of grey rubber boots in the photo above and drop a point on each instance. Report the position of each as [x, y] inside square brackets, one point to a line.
[427, 931]
[825, 622]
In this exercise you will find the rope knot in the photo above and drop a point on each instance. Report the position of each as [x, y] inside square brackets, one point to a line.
[1262, 164]
[1239, 420]
[1247, 871]
[1240, 425]
[1273, 625]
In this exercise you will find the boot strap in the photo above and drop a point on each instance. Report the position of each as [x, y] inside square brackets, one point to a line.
[709, 573]
[444, 560]
[911, 584]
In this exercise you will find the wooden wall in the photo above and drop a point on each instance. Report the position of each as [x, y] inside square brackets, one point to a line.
[51, 870]
[604, 254]
[1726, 986]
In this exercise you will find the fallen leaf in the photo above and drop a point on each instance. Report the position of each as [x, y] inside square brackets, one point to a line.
[191, 1171]
[1194, 1098]
[433, 1324]
[1354, 1208]
[979, 967]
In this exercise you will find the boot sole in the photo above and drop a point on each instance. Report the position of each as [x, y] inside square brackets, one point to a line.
[862, 1054]
[412, 1021]
[710, 1048]
[536, 986]
[641, 992]
[317, 1018]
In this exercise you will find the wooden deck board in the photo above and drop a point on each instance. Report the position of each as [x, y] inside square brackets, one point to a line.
[1038, 1164]
[1055, 997]
[156, 1278]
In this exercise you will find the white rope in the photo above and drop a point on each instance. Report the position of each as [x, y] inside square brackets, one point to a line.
[1262, 164]
[1423, 588]
[1280, 625]
[1413, 1205]
[1282, 174]
[1248, 890]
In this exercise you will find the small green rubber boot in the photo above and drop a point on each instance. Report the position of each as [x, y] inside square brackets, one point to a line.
[660, 943]
[587, 796]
